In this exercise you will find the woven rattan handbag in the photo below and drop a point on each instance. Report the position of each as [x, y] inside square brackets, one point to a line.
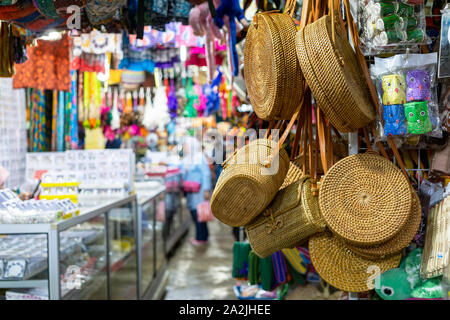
[334, 75]
[246, 185]
[273, 75]
[343, 269]
[401, 240]
[290, 219]
[365, 199]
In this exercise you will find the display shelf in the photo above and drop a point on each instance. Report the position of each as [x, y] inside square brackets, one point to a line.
[24, 284]
[54, 232]
[92, 233]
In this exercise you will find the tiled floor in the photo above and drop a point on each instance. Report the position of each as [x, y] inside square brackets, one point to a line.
[203, 273]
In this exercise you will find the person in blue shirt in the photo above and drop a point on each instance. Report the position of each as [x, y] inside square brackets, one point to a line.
[195, 168]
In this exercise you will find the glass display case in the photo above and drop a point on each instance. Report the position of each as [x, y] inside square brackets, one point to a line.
[116, 250]
[91, 256]
[151, 242]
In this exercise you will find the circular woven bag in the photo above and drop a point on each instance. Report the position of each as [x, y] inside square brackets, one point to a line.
[272, 72]
[365, 199]
[399, 241]
[246, 187]
[343, 269]
[334, 76]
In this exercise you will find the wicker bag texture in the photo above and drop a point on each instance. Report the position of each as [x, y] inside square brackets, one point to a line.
[294, 173]
[401, 240]
[435, 255]
[365, 199]
[334, 76]
[272, 72]
[342, 268]
[246, 187]
[291, 218]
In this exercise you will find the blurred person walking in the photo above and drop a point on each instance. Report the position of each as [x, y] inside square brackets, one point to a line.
[196, 184]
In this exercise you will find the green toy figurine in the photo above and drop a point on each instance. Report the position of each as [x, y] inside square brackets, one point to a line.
[404, 282]
[417, 119]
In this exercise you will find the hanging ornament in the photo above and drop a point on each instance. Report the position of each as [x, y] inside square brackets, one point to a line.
[148, 112]
[172, 100]
[115, 116]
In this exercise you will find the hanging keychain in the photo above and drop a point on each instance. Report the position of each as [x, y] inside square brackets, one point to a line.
[122, 100]
[147, 119]
[135, 101]
[141, 104]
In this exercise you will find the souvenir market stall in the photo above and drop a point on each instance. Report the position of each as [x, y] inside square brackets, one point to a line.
[334, 117]
[356, 93]
[93, 95]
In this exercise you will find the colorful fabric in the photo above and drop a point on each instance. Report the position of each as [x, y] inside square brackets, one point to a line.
[73, 112]
[266, 267]
[253, 268]
[103, 11]
[60, 123]
[197, 57]
[241, 251]
[46, 8]
[135, 60]
[295, 259]
[89, 62]
[38, 128]
[54, 120]
[187, 38]
[158, 13]
[279, 267]
[47, 67]
[296, 277]
[67, 123]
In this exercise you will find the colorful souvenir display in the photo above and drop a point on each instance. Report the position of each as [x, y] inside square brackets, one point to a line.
[385, 25]
[394, 120]
[417, 118]
[394, 86]
[418, 82]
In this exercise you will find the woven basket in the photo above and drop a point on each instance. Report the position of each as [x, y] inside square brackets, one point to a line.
[272, 72]
[365, 199]
[245, 187]
[295, 170]
[399, 241]
[290, 219]
[294, 173]
[334, 76]
[343, 269]
[435, 255]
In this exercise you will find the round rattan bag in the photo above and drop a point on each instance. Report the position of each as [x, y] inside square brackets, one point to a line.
[334, 76]
[246, 186]
[365, 199]
[399, 241]
[343, 269]
[272, 72]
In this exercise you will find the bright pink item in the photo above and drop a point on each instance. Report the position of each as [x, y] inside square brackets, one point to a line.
[161, 212]
[204, 213]
[191, 186]
[171, 186]
[202, 23]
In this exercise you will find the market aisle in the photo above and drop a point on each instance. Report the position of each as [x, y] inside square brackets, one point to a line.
[203, 273]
